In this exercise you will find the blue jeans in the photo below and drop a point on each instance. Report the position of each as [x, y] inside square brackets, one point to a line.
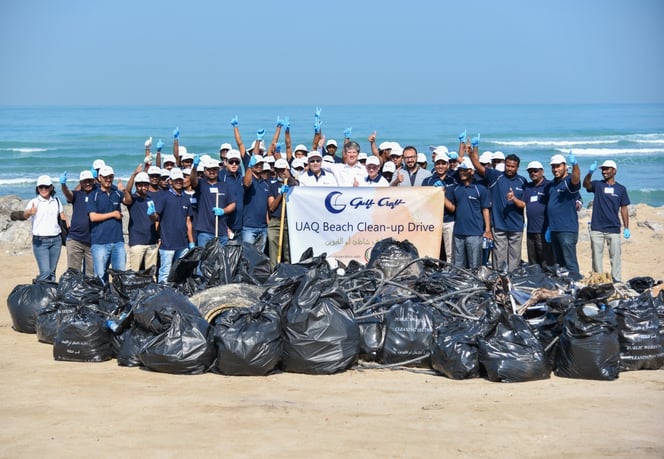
[47, 254]
[112, 253]
[166, 258]
[252, 234]
[203, 238]
[467, 251]
[563, 244]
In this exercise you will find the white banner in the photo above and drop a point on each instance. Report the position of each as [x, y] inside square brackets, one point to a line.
[346, 222]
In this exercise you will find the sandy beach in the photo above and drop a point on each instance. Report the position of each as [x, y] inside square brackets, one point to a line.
[60, 409]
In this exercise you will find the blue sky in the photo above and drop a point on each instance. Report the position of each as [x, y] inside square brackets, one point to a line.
[202, 52]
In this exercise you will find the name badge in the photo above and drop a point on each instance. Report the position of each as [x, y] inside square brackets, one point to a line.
[608, 190]
[214, 190]
[534, 198]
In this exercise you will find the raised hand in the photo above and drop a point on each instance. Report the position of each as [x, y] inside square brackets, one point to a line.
[277, 147]
[280, 122]
[317, 113]
[234, 121]
[348, 132]
[593, 168]
[197, 160]
[148, 143]
[160, 145]
[252, 161]
[287, 124]
[176, 133]
[475, 141]
[317, 125]
[63, 178]
[571, 159]
[260, 134]
[372, 137]
[462, 136]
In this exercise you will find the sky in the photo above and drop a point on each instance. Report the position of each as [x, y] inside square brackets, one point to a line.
[262, 52]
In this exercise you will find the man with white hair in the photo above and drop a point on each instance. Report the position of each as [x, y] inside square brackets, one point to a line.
[315, 175]
[610, 204]
[351, 172]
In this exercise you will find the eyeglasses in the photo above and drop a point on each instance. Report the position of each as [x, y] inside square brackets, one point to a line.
[299, 168]
[234, 162]
[315, 160]
[410, 157]
[372, 167]
[44, 187]
[279, 169]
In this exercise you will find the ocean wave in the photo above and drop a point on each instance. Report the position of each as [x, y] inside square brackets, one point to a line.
[612, 151]
[552, 143]
[25, 150]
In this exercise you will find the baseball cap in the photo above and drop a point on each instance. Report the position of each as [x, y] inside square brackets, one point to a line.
[98, 164]
[385, 146]
[396, 151]
[609, 163]
[297, 162]
[485, 158]
[389, 167]
[210, 164]
[534, 165]
[186, 157]
[361, 156]
[154, 170]
[466, 164]
[142, 177]
[557, 159]
[186, 171]
[441, 157]
[233, 154]
[497, 155]
[261, 146]
[439, 150]
[168, 159]
[281, 163]
[259, 159]
[300, 147]
[85, 175]
[165, 173]
[314, 154]
[373, 160]
[44, 180]
[328, 159]
[269, 159]
[331, 142]
[266, 166]
[421, 158]
[182, 150]
[225, 146]
[176, 174]
[105, 171]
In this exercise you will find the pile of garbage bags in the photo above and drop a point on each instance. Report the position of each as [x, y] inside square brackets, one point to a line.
[223, 310]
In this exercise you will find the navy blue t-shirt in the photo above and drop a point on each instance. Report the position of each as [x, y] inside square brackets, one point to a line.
[173, 210]
[469, 201]
[204, 220]
[606, 206]
[79, 229]
[535, 208]
[237, 187]
[142, 230]
[434, 180]
[255, 203]
[110, 230]
[560, 198]
[505, 216]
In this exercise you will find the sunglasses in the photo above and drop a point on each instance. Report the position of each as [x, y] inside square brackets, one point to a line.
[44, 187]
[315, 160]
[234, 162]
[299, 168]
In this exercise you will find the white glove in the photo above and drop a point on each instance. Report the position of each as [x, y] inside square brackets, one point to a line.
[148, 143]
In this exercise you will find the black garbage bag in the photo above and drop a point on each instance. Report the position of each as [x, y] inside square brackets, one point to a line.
[319, 333]
[547, 328]
[391, 257]
[50, 318]
[589, 347]
[124, 282]
[185, 267]
[76, 288]
[533, 276]
[638, 331]
[658, 301]
[596, 293]
[371, 338]
[219, 264]
[26, 300]
[512, 353]
[154, 312]
[133, 340]
[409, 331]
[641, 283]
[280, 287]
[254, 266]
[83, 337]
[184, 347]
[248, 340]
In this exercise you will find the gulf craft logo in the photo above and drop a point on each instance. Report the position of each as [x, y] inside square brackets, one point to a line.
[335, 202]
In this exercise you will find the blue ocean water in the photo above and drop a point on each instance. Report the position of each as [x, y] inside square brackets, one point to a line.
[50, 140]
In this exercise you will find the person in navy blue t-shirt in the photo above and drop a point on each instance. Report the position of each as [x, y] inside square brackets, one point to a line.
[470, 203]
[256, 192]
[441, 178]
[79, 254]
[539, 250]
[560, 197]
[143, 236]
[233, 177]
[610, 203]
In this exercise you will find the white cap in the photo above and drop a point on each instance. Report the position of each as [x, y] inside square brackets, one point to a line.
[205, 158]
[210, 164]
[233, 154]
[497, 155]
[441, 157]
[328, 159]
[361, 156]
[281, 163]
[168, 159]
[259, 159]
[186, 171]
[385, 146]
[154, 170]
[261, 147]
[557, 159]
[269, 159]
[165, 173]
[421, 158]
[266, 166]
[396, 150]
[439, 150]
[314, 154]
[466, 164]
[300, 147]
[373, 160]
[186, 156]
[389, 166]
[85, 175]
[297, 162]
[98, 164]
[485, 158]
[331, 142]
[105, 171]
[44, 180]
[142, 177]
[225, 146]
[176, 173]
[609, 163]
[182, 150]
[534, 165]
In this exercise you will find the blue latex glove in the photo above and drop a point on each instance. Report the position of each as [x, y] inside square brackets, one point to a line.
[453, 155]
[252, 161]
[192, 245]
[348, 132]
[317, 113]
[571, 159]
[160, 145]
[94, 172]
[260, 134]
[287, 123]
[462, 137]
[283, 189]
[626, 233]
[317, 124]
[547, 235]
[476, 140]
[593, 168]
[218, 211]
[197, 160]
[234, 121]
[280, 122]
[63, 178]
[151, 209]
[176, 133]
[277, 147]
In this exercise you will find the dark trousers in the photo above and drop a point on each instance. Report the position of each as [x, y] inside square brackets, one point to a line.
[539, 251]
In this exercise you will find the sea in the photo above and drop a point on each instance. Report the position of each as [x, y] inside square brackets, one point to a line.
[36, 140]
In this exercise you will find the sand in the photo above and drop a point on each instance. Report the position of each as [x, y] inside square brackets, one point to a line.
[62, 409]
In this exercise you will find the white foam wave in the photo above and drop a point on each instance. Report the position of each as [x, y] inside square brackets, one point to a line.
[25, 150]
[19, 180]
[612, 151]
[552, 143]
